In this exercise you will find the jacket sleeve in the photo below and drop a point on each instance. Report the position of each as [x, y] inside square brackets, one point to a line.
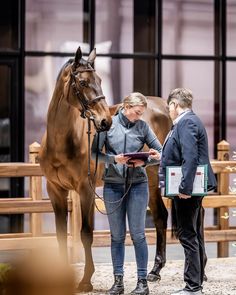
[98, 147]
[153, 143]
[188, 140]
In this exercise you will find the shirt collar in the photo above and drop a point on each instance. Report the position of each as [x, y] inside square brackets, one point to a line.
[124, 120]
[181, 116]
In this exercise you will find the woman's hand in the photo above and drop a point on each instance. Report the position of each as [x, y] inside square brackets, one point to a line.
[135, 163]
[154, 154]
[121, 159]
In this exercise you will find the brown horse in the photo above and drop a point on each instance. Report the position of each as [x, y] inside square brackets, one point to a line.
[64, 149]
[157, 116]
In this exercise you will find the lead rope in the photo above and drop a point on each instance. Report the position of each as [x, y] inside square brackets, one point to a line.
[94, 175]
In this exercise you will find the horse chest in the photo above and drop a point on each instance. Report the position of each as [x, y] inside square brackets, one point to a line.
[65, 179]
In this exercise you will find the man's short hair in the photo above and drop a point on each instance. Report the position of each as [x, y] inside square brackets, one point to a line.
[183, 96]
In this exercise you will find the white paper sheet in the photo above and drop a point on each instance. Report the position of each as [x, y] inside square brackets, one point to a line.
[173, 179]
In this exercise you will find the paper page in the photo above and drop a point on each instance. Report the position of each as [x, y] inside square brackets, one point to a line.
[173, 179]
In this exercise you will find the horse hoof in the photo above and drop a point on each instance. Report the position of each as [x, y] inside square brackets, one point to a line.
[84, 287]
[152, 277]
[205, 278]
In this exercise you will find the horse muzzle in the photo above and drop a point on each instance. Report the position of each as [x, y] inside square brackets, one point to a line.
[104, 125]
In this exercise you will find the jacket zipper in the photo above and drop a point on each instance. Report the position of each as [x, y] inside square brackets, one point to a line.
[124, 170]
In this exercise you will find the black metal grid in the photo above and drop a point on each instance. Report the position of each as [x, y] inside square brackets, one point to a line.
[220, 59]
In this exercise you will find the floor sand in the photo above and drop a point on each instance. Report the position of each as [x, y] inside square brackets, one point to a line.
[221, 273]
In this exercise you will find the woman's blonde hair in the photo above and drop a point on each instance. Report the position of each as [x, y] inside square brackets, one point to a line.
[135, 99]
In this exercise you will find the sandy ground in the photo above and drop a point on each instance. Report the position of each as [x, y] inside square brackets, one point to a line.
[221, 273]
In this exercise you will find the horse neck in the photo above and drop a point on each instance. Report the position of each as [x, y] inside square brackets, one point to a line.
[63, 120]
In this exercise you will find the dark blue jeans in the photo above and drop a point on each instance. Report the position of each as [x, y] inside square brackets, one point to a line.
[134, 206]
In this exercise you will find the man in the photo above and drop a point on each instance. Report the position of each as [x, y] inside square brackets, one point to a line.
[187, 146]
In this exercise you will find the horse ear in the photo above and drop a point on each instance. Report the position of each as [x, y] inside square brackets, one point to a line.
[78, 56]
[92, 56]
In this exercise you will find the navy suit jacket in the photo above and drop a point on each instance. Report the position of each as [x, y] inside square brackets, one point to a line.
[187, 146]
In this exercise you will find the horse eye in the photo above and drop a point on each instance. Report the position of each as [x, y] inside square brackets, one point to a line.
[83, 83]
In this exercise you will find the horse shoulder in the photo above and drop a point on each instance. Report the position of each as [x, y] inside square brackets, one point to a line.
[157, 116]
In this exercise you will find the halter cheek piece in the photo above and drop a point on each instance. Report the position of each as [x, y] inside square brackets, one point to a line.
[85, 103]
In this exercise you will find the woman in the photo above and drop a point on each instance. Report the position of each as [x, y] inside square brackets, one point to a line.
[126, 185]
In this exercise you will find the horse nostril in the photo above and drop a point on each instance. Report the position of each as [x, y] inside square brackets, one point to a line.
[104, 125]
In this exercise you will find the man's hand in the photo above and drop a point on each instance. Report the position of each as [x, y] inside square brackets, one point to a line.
[183, 196]
[154, 154]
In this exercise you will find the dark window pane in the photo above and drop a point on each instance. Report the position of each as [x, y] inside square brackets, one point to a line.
[145, 26]
[188, 27]
[114, 24]
[5, 95]
[199, 77]
[9, 21]
[231, 27]
[53, 25]
[144, 76]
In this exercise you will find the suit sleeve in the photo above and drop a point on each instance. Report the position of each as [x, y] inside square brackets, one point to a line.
[188, 139]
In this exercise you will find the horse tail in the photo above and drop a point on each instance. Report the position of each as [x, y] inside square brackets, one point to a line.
[174, 230]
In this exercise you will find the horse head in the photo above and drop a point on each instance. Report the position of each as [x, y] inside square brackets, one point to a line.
[85, 93]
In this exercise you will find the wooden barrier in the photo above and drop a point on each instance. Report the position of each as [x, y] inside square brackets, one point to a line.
[35, 204]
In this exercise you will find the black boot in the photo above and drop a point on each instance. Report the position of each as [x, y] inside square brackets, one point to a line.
[118, 286]
[141, 288]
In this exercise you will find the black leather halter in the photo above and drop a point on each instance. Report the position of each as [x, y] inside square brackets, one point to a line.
[86, 113]
[85, 103]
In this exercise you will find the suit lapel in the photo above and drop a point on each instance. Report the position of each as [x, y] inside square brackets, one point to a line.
[168, 136]
[173, 127]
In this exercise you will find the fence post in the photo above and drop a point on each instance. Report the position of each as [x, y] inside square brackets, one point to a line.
[35, 191]
[223, 149]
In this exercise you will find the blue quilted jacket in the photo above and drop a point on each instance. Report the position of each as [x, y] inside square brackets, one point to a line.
[124, 137]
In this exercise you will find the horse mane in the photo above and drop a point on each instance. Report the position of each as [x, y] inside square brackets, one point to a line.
[114, 109]
[70, 61]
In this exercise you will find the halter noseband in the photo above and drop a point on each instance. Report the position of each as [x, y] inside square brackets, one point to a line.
[85, 103]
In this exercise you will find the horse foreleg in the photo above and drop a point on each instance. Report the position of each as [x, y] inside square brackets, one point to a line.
[160, 215]
[87, 206]
[58, 197]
